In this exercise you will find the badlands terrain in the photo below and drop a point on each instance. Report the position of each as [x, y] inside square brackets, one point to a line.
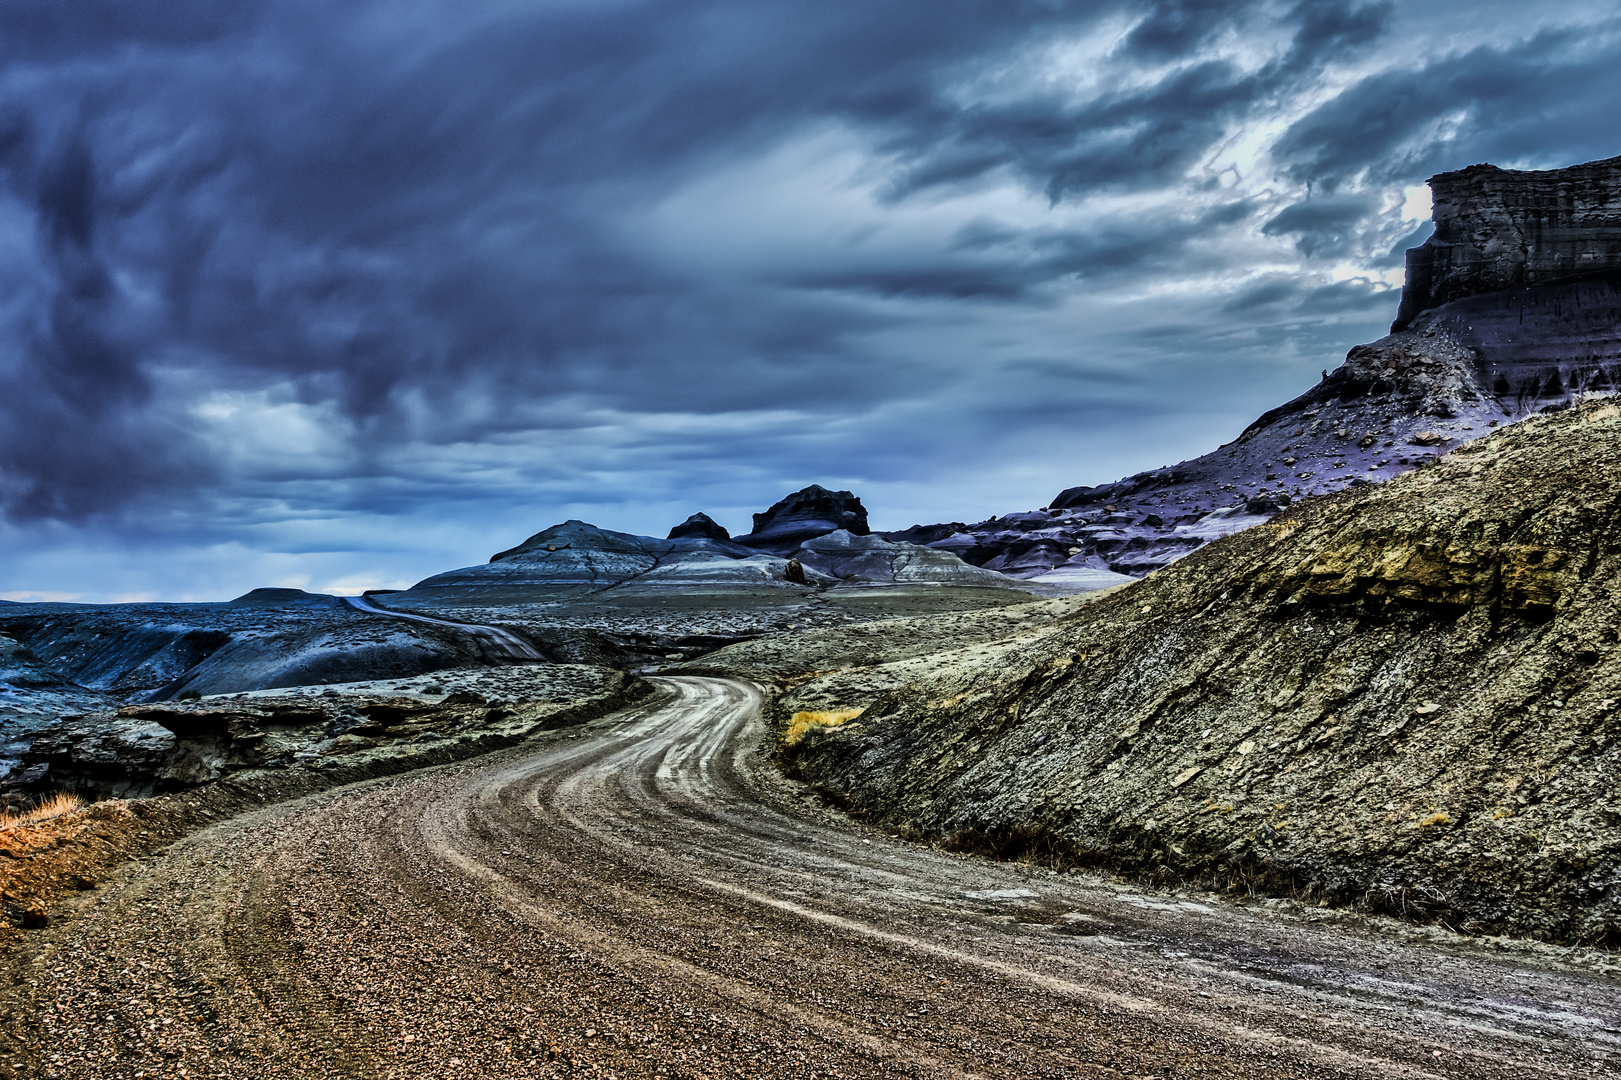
[1294, 760]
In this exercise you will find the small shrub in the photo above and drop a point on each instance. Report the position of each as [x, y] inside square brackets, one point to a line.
[804, 721]
[189, 695]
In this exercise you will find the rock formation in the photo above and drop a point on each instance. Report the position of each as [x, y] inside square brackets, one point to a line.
[806, 514]
[845, 558]
[700, 525]
[1496, 229]
[1404, 696]
[578, 559]
[155, 651]
[1513, 307]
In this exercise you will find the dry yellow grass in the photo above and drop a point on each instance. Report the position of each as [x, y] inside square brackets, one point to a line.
[55, 806]
[804, 721]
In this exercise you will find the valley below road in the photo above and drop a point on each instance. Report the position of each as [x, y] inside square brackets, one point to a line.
[645, 895]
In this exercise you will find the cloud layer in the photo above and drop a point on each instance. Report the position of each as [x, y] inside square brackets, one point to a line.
[342, 294]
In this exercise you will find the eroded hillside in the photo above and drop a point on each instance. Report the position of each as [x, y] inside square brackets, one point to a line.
[1400, 696]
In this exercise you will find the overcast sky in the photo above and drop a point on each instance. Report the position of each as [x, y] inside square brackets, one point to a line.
[339, 295]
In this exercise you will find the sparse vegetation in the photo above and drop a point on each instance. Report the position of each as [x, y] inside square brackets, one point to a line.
[804, 721]
[50, 806]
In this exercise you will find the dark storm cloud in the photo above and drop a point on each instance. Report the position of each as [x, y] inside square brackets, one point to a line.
[377, 221]
[1552, 97]
[1323, 226]
[258, 254]
[985, 262]
[1150, 131]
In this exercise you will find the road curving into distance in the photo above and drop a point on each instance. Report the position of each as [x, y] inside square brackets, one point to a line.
[644, 896]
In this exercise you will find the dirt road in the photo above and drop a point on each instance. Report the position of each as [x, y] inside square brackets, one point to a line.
[644, 897]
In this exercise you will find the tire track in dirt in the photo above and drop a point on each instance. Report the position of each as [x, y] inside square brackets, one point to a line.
[646, 897]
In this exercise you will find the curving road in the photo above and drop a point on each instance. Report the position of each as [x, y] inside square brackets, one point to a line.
[645, 897]
[499, 645]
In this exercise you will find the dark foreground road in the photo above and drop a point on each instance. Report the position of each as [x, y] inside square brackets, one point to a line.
[641, 898]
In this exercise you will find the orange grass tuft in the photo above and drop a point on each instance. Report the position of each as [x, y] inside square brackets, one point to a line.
[54, 806]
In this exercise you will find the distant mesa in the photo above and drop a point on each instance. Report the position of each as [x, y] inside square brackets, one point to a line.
[806, 514]
[814, 538]
[701, 525]
[1511, 308]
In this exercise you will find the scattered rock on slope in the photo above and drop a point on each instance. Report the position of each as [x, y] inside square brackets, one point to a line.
[1403, 696]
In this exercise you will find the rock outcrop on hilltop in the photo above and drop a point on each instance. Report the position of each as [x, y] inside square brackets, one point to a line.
[804, 515]
[1512, 308]
[700, 525]
[1404, 696]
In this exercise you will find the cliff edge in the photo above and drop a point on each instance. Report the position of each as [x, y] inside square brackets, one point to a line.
[1499, 229]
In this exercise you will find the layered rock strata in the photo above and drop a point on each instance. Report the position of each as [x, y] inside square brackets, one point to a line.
[1498, 229]
[254, 642]
[1406, 697]
[576, 559]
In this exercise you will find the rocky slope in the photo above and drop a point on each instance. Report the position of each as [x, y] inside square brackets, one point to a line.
[1402, 696]
[1511, 308]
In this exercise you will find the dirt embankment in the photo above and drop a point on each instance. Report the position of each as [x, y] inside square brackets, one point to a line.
[1402, 697]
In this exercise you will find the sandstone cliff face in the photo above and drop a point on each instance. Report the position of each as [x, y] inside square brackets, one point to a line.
[1512, 308]
[1498, 229]
[1405, 696]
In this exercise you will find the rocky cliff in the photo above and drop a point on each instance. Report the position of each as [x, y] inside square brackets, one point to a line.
[1404, 696]
[1512, 308]
[1498, 229]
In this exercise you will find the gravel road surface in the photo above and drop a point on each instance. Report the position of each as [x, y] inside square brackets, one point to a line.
[644, 896]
